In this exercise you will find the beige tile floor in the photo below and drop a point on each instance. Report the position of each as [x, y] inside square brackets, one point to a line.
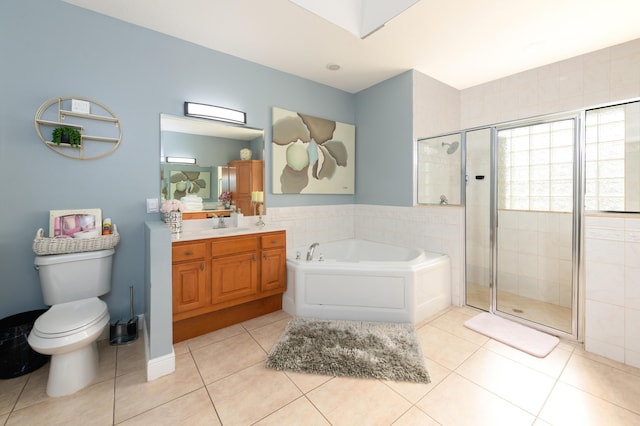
[220, 378]
[549, 314]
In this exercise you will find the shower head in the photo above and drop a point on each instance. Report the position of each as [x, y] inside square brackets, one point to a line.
[453, 146]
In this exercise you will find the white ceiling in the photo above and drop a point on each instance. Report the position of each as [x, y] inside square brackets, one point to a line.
[462, 43]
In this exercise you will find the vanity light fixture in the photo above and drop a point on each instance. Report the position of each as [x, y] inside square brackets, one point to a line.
[212, 112]
[181, 160]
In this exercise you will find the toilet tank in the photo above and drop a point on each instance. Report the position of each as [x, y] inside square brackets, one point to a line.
[74, 276]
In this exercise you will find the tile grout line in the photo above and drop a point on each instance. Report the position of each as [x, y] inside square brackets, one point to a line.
[555, 383]
[115, 387]
[594, 395]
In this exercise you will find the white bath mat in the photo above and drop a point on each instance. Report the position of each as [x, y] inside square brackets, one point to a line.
[526, 339]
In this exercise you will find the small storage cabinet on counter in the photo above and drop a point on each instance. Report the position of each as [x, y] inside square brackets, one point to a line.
[222, 281]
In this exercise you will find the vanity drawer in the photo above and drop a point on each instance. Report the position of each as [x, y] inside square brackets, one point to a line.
[273, 240]
[232, 245]
[190, 251]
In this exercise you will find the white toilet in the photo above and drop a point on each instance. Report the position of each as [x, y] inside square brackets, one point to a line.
[71, 284]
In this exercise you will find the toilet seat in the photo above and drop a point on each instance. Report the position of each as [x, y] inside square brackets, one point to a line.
[70, 318]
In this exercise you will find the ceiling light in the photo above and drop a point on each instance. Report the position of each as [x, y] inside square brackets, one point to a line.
[333, 67]
[212, 112]
[181, 160]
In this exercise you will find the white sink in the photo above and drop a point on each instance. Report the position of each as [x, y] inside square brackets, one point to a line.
[224, 231]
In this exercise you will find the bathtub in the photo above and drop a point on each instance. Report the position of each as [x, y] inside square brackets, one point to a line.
[367, 281]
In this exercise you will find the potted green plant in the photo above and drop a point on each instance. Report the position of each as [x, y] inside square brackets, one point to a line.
[66, 134]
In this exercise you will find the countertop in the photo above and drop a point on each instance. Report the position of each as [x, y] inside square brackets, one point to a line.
[200, 229]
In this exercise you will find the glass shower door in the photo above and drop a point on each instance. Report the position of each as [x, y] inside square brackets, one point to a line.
[536, 229]
[478, 218]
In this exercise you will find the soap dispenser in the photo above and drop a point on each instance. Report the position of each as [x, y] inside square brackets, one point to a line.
[237, 218]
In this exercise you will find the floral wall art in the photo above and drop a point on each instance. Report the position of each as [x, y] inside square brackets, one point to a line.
[185, 182]
[312, 155]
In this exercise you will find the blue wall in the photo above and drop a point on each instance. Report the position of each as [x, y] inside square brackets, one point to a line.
[384, 143]
[51, 49]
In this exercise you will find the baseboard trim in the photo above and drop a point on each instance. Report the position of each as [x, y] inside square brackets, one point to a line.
[160, 366]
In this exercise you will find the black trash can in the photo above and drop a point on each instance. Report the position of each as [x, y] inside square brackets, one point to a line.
[16, 356]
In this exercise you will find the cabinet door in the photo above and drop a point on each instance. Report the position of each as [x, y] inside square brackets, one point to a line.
[274, 269]
[242, 196]
[257, 175]
[243, 177]
[234, 277]
[189, 286]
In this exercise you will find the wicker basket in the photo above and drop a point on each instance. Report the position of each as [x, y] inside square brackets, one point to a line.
[43, 246]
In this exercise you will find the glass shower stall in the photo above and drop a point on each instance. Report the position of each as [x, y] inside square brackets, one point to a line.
[522, 198]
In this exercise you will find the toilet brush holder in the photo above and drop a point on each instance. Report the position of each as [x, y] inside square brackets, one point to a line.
[124, 332]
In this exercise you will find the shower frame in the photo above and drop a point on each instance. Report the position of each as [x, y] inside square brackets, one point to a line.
[577, 299]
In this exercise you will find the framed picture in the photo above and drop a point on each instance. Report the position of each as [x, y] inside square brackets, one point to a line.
[312, 155]
[82, 223]
[189, 182]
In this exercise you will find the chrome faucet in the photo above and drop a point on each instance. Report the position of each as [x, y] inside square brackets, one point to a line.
[443, 199]
[312, 248]
[218, 221]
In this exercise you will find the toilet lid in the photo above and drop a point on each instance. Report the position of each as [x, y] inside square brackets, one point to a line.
[67, 317]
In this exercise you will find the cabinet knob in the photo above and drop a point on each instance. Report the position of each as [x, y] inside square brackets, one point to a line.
[274, 241]
[254, 258]
[202, 266]
[188, 253]
[264, 256]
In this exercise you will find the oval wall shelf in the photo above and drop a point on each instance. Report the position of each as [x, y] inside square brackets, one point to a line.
[99, 127]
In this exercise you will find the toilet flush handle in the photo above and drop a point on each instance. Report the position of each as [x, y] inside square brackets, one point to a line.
[36, 267]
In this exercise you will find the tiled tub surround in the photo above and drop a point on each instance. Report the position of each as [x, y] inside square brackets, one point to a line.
[436, 229]
[612, 269]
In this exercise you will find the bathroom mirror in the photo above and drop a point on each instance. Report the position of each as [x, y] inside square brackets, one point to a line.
[200, 159]
[439, 169]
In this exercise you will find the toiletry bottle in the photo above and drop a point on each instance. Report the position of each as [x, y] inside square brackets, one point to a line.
[106, 226]
[239, 219]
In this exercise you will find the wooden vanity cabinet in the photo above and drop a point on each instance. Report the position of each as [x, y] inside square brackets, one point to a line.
[222, 281]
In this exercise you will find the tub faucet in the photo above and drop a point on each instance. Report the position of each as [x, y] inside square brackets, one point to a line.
[312, 248]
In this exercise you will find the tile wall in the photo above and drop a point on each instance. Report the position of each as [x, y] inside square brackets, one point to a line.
[606, 75]
[534, 255]
[612, 307]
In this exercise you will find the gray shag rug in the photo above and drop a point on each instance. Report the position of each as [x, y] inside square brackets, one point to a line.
[388, 351]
